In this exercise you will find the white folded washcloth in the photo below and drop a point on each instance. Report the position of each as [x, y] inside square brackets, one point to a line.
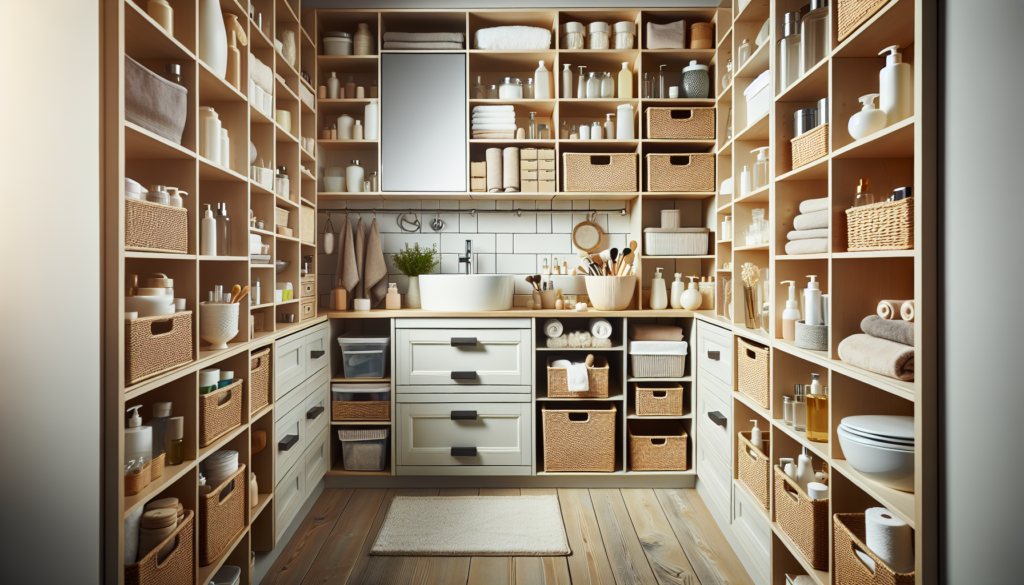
[807, 234]
[812, 205]
[576, 378]
[496, 118]
[513, 38]
[494, 126]
[490, 114]
[600, 328]
[552, 328]
[811, 246]
[493, 109]
[424, 37]
[811, 221]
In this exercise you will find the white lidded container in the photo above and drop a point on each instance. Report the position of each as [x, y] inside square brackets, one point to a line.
[571, 36]
[363, 355]
[337, 43]
[757, 98]
[676, 241]
[625, 33]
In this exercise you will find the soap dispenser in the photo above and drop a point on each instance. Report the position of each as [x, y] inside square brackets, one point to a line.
[895, 86]
[609, 127]
[804, 470]
[812, 302]
[659, 296]
[138, 439]
[755, 436]
[677, 292]
[354, 177]
[867, 121]
[208, 234]
[791, 314]
[760, 177]
[691, 299]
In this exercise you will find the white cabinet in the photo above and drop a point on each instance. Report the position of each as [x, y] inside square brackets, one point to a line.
[317, 349]
[463, 357]
[289, 364]
[714, 416]
[317, 408]
[714, 352]
[461, 434]
[317, 458]
[290, 434]
[289, 494]
[751, 528]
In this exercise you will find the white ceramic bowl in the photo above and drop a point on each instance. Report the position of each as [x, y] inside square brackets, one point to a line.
[218, 323]
[611, 293]
[150, 306]
[890, 467]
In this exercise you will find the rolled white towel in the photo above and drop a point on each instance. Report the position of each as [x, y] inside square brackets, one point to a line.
[576, 378]
[553, 328]
[600, 328]
[513, 38]
[494, 114]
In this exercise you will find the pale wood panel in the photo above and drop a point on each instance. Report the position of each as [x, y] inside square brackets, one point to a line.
[666, 556]
[493, 570]
[303, 549]
[626, 555]
[344, 548]
[388, 570]
[547, 570]
[588, 563]
[444, 570]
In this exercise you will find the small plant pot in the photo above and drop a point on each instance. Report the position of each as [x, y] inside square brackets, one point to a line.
[218, 323]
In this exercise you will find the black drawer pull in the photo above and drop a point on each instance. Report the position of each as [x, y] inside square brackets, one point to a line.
[463, 415]
[288, 442]
[463, 341]
[463, 451]
[314, 412]
[718, 418]
[316, 354]
[714, 355]
[463, 375]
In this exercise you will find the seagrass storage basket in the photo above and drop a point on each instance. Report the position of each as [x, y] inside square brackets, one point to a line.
[595, 173]
[136, 482]
[753, 371]
[848, 540]
[178, 567]
[681, 172]
[307, 224]
[281, 216]
[222, 514]
[154, 345]
[810, 146]
[220, 411]
[657, 445]
[659, 400]
[803, 520]
[259, 379]
[151, 227]
[754, 467]
[579, 439]
[360, 410]
[597, 378]
[853, 13]
[888, 225]
[681, 123]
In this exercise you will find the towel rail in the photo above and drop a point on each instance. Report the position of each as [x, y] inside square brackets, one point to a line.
[518, 212]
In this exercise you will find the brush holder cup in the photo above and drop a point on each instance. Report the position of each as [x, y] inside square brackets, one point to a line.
[611, 293]
[547, 299]
[218, 323]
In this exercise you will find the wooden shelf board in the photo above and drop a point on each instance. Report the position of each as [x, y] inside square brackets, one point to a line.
[752, 248]
[697, 257]
[614, 395]
[158, 255]
[757, 63]
[141, 144]
[679, 473]
[288, 302]
[210, 171]
[682, 195]
[283, 135]
[255, 416]
[205, 574]
[171, 474]
[287, 238]
[726, 148]
[585, 349]
[676, 102]
[758, 196]
[749, 403]
[896, 141]
[823, 256]
[145, 39]
[261, 266]
[286, 201]
[820, 577]
[224, 258]
[903, 504]
[756, 131]
[814, 171]
[262, 232]
[369, 145]
[256, 116]
[536, 143]
[810, 88]
[212, 88]
[261, 503]
[820, 450]
[219, 443]
[875, 254]
[756, 11]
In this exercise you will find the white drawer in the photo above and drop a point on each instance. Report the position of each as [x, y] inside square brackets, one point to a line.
[714, 473]
[451, 357]
[289, 365]
[317, 409]
[753, 531]
[714, 417]
[289, 450]
[499, 432]
[289, 494]
[317, 458]
[291, 401]
[318, 349]
[714, 352]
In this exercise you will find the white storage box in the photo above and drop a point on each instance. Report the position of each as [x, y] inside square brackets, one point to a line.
[658, 359]
[363, 356]
[676, 241]
[377, 392]
[757, 95]
[364, 449]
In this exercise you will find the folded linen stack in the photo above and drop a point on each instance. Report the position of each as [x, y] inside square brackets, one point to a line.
[401, 41]
[886, 347]
[811, 233]
[494, 122]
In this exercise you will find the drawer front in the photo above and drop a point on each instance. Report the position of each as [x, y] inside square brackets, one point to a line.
[714, 418]
[752, 530]
[308, 287]
[317, 458]
[289, 494]
[307, 309]
[714, 473]
[289, 365]
[714, 352]
[431, 357]
[317, 409]
[289, 450]
[293, 400]
[317, 349]
[500, 433]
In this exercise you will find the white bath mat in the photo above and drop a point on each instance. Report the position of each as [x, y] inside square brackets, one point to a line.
[496, 526]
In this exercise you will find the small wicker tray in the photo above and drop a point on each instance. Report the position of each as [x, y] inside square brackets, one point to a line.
[360, 410]
[753, 370]
[178, 567]
[135, 483]
[753, 467]
[657, 445]
[220, 411]
[810, 146]
[307, 224]
[597, 376]
[152, 227]
[848, 531]
[888, 225]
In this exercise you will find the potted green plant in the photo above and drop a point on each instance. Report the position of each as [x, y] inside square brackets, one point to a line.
[413, 262]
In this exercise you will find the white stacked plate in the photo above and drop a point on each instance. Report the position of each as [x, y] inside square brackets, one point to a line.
[220, 466]
[881, 447]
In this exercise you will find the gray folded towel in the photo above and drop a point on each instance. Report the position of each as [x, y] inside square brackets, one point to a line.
[807, 234]
[434, 37]
[877, 355]
[812, 205]
[811, 221]
[893, 330]
[813, 246]
[154, 103]
[666, 36]
[428, 46]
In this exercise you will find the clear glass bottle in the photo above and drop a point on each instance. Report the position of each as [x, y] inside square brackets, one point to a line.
[223, 230]
[648, 86]
[743, 54]
[161, 418]
[787, 410]
[789, 50]
[760, 177]
[563, 131]
[799, 408]
[479, 90]
[728, 126]
[864, 195]
[817, 416]
[492, 92]
[727, 78]
[374, 185]
[813, 36]
[543, 133]
[593, 85]
[531, 131]
[175, 440]
[662, 92]
[607, 85]
[529, 91]
[581, 86]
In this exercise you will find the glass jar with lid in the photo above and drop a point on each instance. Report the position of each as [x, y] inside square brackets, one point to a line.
[571, 36]
[597, 35]
[625, 33]
[511, 88]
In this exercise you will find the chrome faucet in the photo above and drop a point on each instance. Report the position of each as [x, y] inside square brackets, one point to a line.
[468, 258]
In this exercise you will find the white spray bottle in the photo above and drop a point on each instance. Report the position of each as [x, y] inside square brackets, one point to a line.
[895, 86]
[812, 302]
[792, 313]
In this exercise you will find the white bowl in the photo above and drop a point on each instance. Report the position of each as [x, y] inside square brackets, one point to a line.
[890, 467]
[611, 293]
[218, 323]
[149, 306]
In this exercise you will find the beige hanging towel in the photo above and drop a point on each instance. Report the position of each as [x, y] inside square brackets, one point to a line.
[347, 273]
[360, 247]
[376, 274]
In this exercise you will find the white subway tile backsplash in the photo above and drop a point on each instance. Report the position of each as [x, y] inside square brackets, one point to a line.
[561, 223]
[449, 263]
[618, 224]
[563, 205]
[603, 204]
[391, 243]
[402, 204]
[542, 243]
[543, 223]
[516, 263]
[543, 204]
[507, 223]
[449, 204]
[467, 223]
[503, 243]
[485, 264]
[455, 243]
[477, 205]
[430, 204]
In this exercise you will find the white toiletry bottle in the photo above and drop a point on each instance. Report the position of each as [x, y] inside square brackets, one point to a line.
[787, 466]
[357, 131]
[791, 314]
[678, 286]
[760, 177]
[895, 86]
[175, 197]
[595, 131]
[625, 82]
[542, 91]
[609, 127]
[566, 81]
[371, 120]
[584, 131]
[593, 85]
[804, 470]
[225, 148]
[868, 120]
[812, 302]
[755, 436]
[691, 298]
[607, 85]
[208, 233]
[815, 384]
[744, 182]
[138, 439]
[209, 133]
[333, 86]
[659, 296]
[581, 85]
[161, 418]
[354, 177]
[345, 127]
[624, 122]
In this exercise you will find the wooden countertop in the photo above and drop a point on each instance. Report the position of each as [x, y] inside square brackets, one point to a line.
[511, 313]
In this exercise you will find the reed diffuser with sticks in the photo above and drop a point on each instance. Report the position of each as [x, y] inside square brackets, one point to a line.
[750, 274]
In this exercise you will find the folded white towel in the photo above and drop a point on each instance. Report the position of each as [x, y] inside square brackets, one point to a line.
[421, 46]
[484, 121]
[513, 38]
[576, 378]
[807, 234]
[494, 126]
[811, 221]
[812, 246]
[552, 328]
[485, 115]
[477, 109]
[424, 37]
[600, 328]
[812, 205]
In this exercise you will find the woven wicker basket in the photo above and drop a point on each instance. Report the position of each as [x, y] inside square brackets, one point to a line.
[221, 519]
[178, 567]
[360, 410]
[156, 469]
[152, 227]
[681, 123]
[681, 172]
[753, 370]
[597, 376]
[307, 224]
[220, 411]
[657, 445]
[848, 531]
[595, 173]
[135, 483]
[810, 146]
[803, 520]
[281, 216]
[662, 400]
[888, 225]
[754, 467]
[259, 379]
[853, 13]
[148, 354]
[579, 445]
[658, 366]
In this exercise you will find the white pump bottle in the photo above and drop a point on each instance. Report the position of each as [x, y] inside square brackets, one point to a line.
[138, 439]
[755, 436]
[208, 233]
[659, 298]
[868, 120]
[812, 302]
[804, 470]
[691, 298]
[895, 86]
[760, 177]
[792, 313]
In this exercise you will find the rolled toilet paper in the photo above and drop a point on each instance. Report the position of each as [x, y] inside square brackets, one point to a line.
[553, 328]
[600, 328]
[494, 170]
[889, 309]
[908, 311]
[510, 169]
[890, 538]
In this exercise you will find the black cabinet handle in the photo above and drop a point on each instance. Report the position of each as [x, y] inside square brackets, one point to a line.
[463, 415]
[714, 355]
[314, 412]
[316, 354]
[463, 375]
[463, 451]
[718, 418]
[463, 341]
[288, 442]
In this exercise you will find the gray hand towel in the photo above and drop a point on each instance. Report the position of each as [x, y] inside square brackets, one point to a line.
[812, 205]
[421, 46]
[893, 330]
[807, 234]
[360, 249]
[811, 221]
[666, 36]
[346, 273]
[877, 355]
[814, 246]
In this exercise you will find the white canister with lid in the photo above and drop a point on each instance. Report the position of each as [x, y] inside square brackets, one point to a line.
[624, 122]
[511, 88]
[625, 33]
[597, 35]
[572, 36]
[337, 43]
[158, 194]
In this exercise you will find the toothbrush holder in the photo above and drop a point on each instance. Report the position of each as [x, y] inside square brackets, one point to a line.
[547, 298]
[218, 323]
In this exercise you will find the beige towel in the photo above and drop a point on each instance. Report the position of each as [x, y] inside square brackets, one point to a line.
[360, 247]
[346, 273]
[376, 272]
[877, 355]
[261, 74]
[812, 205]
[813, 246]
[494, 170]
[811, 221]
[510, 166]
[655, 333]
[493, 135]
[889, 309]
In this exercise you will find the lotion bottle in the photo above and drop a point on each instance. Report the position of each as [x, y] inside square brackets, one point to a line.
[812, 302]
[236, 35]
[138, 439]
[659, 296]
[208, 234]
[542, 91]
[755, 436]
[804, 470]
[744, 182]
[609, 127]
[868, 120]
[895, 86]
[791, 314]
[691, 298]
[625, 82]
[354, 177]
[787, 466]
[677, 292]
[566, 81]
[333, 86]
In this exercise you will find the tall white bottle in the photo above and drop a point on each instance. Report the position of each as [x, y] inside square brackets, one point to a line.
[677, 291]
[542, 89]
[755, 436]
[213, 37]
[354, 175]
[812, 302]
[225, 148]
[208, 233]
[566, 82]
[333, 86]
[371, 120]
[792, 313]
[625, 82]
[138, 438]
[659, 297]
[804, 470]
[895, 87]
[209, 133]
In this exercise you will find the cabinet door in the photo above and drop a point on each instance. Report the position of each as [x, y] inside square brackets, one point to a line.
[317, 459]
[288, 497]
[290, 434]
[459, 433]
[289, 364]
[317, 349]
[464, 357]
[714, 416]
[714, 352]
[317, 408]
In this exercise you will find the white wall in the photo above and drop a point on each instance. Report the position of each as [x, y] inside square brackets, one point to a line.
[50, 298]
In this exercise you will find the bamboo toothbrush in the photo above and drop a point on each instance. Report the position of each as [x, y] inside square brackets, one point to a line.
[234, 292]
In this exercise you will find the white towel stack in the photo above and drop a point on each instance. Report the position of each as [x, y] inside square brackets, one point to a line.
[494, 122]
[811, 233]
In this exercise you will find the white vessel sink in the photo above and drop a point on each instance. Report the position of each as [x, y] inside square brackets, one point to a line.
[462, 292]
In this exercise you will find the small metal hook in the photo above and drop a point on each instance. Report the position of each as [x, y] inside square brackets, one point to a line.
[519, 213]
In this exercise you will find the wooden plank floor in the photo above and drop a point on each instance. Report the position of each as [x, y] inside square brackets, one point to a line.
[621, 536]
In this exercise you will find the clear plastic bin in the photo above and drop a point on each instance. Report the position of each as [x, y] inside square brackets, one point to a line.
[363, 356]
[380, 392]
[364, 449]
